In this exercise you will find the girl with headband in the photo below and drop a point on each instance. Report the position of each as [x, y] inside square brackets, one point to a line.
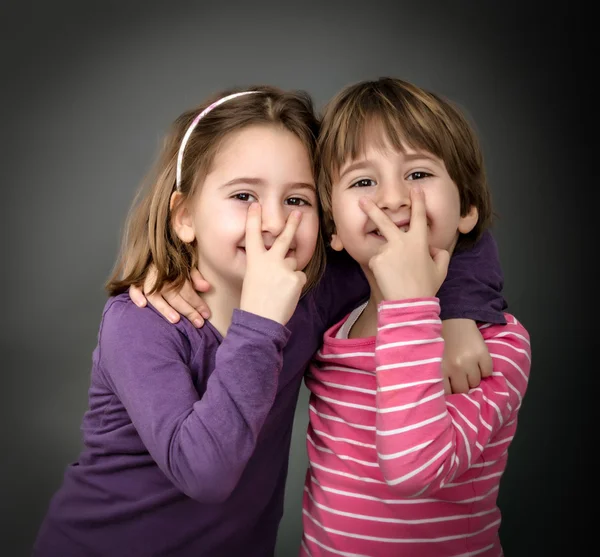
[188, 430]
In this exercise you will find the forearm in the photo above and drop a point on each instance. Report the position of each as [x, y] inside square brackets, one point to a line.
[201, 432]
[473, 285]
[425, 439]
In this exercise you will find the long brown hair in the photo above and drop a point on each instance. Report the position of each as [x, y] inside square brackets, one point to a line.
[149, 238]
[413, 116]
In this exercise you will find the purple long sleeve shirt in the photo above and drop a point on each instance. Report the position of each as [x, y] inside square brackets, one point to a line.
[187, 436]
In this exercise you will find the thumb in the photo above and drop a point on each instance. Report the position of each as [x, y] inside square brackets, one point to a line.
[199, 283]
[441, 259]
[137, 296]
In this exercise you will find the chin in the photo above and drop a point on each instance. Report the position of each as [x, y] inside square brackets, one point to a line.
[361, 258]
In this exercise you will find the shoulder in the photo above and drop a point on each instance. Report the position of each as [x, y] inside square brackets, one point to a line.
[121, 313]
[341, 266]
[139, 353]
[513, 330]
[126, 326]
[342, 287]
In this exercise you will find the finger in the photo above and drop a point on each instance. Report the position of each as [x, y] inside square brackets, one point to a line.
[200, 284]
[150, 279]
[282, 243]
[459, 383]
[473, 377]
[486, 365]
[441, 258]
[301, 277]
[418, 214]
[159, 303]
[191, 297]
[386, 226]
[179, 304]
[447, 388]
[254, 240]
[291, 263]
[137, 296]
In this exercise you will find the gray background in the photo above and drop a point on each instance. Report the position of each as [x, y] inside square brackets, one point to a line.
[88, 89]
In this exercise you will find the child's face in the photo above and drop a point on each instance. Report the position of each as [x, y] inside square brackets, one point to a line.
[386, 175]
[267, 164]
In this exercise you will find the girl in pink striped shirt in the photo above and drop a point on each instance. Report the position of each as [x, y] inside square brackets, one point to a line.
[396, 467]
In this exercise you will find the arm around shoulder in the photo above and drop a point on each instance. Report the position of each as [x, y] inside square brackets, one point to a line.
[473, 286]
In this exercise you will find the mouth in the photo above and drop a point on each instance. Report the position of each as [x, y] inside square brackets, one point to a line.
[291, 252]
[402, 225]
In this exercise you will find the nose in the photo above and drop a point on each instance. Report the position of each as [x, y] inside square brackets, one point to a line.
[393, 195]
[273, 221]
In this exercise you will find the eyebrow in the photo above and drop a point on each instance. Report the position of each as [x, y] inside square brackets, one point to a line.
[358, 165]
[261, 182]
[365, 163]
[421, 155]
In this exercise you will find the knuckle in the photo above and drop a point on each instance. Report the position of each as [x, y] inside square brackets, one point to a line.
[170, 296]
[453, 369]
[156, 300]
[474, 379]
[461, 387]
[454, 362]
[466, 358]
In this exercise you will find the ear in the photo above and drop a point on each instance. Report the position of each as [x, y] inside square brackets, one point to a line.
[181, 218]
[468, 221]
[336, 243]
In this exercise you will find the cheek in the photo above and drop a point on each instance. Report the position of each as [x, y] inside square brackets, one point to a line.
[443, 210]
[437, 204]
[347, 212]
[308, 230]
[224, 219]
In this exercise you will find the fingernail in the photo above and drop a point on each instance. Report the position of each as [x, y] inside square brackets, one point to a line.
[205, 314]
[173, 317]
[198, 323]
[417, 188]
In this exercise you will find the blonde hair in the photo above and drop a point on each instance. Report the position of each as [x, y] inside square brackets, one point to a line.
[407, 115]
[149, 238]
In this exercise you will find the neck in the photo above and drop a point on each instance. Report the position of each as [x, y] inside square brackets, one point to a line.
[222, 299]
[366, 324]
[376, 295]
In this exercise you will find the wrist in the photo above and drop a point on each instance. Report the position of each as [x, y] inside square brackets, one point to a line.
[414, 293]
[410, 308]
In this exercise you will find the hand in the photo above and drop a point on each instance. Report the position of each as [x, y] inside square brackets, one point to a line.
[272, 285]
[405, 266]
[172, 303]
[466, 357]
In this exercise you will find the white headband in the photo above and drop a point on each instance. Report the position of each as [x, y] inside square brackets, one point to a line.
[195, 123]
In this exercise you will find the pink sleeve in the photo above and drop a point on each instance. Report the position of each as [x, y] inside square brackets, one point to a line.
[425, 439]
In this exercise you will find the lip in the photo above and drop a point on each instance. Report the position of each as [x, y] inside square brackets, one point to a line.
[291, 250]
[399, 224]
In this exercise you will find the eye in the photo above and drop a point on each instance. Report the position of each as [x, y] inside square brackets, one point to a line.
[297, 202]
[363, 183]
[419, 175]
[244, 196]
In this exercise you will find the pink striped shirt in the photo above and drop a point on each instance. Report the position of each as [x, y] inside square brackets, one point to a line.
[395, 466]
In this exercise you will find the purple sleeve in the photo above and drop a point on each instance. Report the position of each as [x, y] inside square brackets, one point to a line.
[342, 288]
[202, 444]
[473, 286]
